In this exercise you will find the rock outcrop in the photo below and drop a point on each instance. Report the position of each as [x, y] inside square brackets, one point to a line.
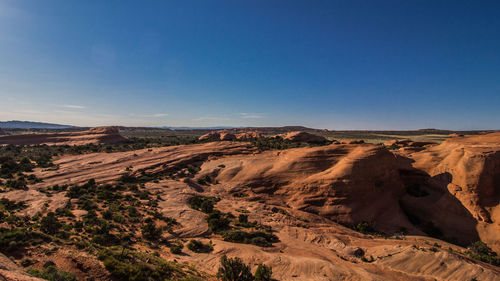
[248, 135]
[334, 181]
[304, 137]
[466, 170]
[12, 272]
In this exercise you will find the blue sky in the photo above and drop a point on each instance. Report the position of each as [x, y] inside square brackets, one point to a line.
[323, 64]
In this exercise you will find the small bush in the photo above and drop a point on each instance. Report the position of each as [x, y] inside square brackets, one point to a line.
[198, 247]
[151, 232]
[263, 273]
[217, 222]
[233, 270]
[50, 224]
[51, 273]
[176, 248]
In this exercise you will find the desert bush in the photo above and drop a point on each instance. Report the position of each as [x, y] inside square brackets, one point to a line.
[233, 270]
[204, 204]
[176, 248]
[263, 273]
[243, 221]
[51, 273]
[18, 238]
[50, 224]
[259, 238]
[364, 227]
[199, 247]
[151, 232]
[480, 251]
[130, 265]
[217, 222]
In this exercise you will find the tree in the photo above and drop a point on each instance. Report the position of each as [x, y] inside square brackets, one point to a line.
[233, 270]
[50, 224]
[151, 232]
[263, 273]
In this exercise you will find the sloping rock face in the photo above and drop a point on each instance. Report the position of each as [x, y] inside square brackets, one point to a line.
[210, 136]
[94, 135]
[304, 137]
[346, 183]
[407, 146]
[467, 169]
[227, 136]
[11, 272]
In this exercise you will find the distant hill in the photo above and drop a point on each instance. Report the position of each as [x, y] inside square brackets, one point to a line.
[15, 124]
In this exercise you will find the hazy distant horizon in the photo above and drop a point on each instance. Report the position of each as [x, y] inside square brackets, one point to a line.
[359, 65]
[228, 127]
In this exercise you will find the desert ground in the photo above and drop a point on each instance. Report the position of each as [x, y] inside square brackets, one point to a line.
[153, 204]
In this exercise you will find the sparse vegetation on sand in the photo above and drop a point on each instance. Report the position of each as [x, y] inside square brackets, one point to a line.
[234, 269]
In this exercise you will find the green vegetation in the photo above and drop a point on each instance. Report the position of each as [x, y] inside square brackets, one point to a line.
[14, 240]
[276, 143]
[51, 273]
[234, 269]
[151, 232]
[176, 247]
[132, 265]
[365, 228]
[259, 238]
[220, 223]
[204, 204]
[199, 247]
[263, 273]
[480, 251]
[50, 224]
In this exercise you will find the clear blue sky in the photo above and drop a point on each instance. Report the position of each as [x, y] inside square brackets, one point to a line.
[324, 64]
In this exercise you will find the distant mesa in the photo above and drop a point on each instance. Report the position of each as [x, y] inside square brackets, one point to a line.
[92, 136]
[16, 124]
[304, 137]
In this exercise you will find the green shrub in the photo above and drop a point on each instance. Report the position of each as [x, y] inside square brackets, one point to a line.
[480, 251]
[198, 247]
[13, 240]
[263, 273]
[217, 222]
[151, 232]
[50, 224]
[176, 248]
[364, 227]
[130, 265]
[201, 203]
[259, 238]
[51, 273]
[233, 270]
